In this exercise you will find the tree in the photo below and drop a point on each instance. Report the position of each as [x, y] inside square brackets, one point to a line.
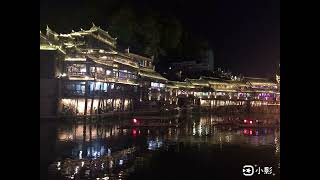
[123, 24]
[171, 32]
[150, 32]
[155, 35]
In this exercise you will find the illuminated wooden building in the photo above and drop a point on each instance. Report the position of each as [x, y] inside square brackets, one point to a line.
[83, 73]
[263, 91]
[95, 77]
[152, 86]
[215, 92]
[180, 93]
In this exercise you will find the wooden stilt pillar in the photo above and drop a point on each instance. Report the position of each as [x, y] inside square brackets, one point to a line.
[86, 98]
[91, 108]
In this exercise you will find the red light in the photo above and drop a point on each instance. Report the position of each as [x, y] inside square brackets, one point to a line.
[245, 121]
[134, 132]
[250, 122]
[245, 131]
[250, 132]
[135, 120]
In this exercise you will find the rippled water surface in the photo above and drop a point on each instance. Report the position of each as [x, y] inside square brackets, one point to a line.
[199, 149]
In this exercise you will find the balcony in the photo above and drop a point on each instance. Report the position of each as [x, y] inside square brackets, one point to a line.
[77, 73]
[126, 62]
[72, 93]
[98, 76]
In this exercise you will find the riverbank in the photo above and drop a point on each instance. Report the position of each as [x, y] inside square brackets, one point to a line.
[223, 110]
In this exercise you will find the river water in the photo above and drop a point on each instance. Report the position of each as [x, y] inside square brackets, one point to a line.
[199, 149]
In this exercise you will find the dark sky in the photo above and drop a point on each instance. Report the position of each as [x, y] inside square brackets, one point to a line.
[244, 34]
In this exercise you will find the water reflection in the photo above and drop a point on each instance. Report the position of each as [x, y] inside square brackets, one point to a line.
[154, 144]
[104, 151]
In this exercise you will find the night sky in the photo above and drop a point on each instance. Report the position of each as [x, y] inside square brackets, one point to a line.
[244, 34]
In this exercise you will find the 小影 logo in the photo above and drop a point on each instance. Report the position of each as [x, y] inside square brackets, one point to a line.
[248, 170]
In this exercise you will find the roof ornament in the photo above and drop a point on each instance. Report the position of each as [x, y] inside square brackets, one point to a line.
[48, 29]
[94, 27]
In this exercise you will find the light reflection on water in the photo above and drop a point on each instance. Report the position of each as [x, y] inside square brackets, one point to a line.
[103, 150]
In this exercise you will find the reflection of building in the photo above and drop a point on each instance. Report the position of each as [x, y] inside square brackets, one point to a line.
[154, 144]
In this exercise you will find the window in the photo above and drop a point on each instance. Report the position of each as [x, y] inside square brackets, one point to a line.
[205, 93]
[78, 87]
[131, 75]
[105, 86]
[141, 63]
[100, 70]
[115, 73]
[220, 94]
[123, 74]
[91, 86]
[77, 69]
[98, 86]
[108, 72]
[156, 85]
[75, 88]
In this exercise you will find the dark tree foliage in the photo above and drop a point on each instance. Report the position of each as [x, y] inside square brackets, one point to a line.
[154, 34]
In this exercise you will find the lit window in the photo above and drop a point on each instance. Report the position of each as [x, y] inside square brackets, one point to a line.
[105, 86]
[77, 68]
[115, 73]
[78, 87]
[98, 85]
[108, 72]
[141, 63]
[99, 70]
